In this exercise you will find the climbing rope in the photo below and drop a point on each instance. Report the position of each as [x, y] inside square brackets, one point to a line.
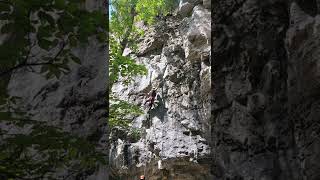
[144, 170]
[195, 153]
[145, 145]
[152, 128]
[145, 141]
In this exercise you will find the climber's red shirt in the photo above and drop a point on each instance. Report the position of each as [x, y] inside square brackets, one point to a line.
[152, 96]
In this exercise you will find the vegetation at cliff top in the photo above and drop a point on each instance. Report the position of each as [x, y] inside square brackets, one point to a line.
[124, 34]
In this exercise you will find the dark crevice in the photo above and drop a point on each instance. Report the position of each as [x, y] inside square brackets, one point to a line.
[308, 6]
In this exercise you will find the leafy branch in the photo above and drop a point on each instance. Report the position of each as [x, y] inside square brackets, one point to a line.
[48, 29]
[26, 64]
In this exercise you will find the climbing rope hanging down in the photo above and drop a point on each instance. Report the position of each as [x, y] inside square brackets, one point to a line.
[150, 100]
[195, 151]
[142, 177]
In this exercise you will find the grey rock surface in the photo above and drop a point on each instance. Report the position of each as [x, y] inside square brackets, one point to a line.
[174, 144]
[303, 40]
[207, 4]
[265, 56]
[186, 6]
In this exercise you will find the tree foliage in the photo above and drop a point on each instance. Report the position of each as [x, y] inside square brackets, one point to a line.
[121, 113]
[56, 26]
[36, 155]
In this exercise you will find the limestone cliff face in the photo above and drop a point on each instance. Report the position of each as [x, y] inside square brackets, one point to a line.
[266, 89]
[174, 144]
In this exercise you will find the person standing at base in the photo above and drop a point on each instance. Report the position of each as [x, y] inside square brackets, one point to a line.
[142, 177]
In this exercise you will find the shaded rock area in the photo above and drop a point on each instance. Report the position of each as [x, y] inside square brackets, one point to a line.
[265, 114]
[75, 103]
[174, 141]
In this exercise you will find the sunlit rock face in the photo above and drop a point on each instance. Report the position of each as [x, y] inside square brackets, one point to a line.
[174, 143]
[76, 102]
[266, 86]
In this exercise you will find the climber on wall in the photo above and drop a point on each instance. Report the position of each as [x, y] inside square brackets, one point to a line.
[151, 98]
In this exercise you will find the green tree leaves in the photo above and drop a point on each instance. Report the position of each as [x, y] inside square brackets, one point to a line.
[121, 113]
[37, 154]
[53, 22]
[124, 33]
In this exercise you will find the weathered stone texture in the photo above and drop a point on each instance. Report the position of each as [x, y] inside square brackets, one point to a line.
[176, 52]
[266, 86]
